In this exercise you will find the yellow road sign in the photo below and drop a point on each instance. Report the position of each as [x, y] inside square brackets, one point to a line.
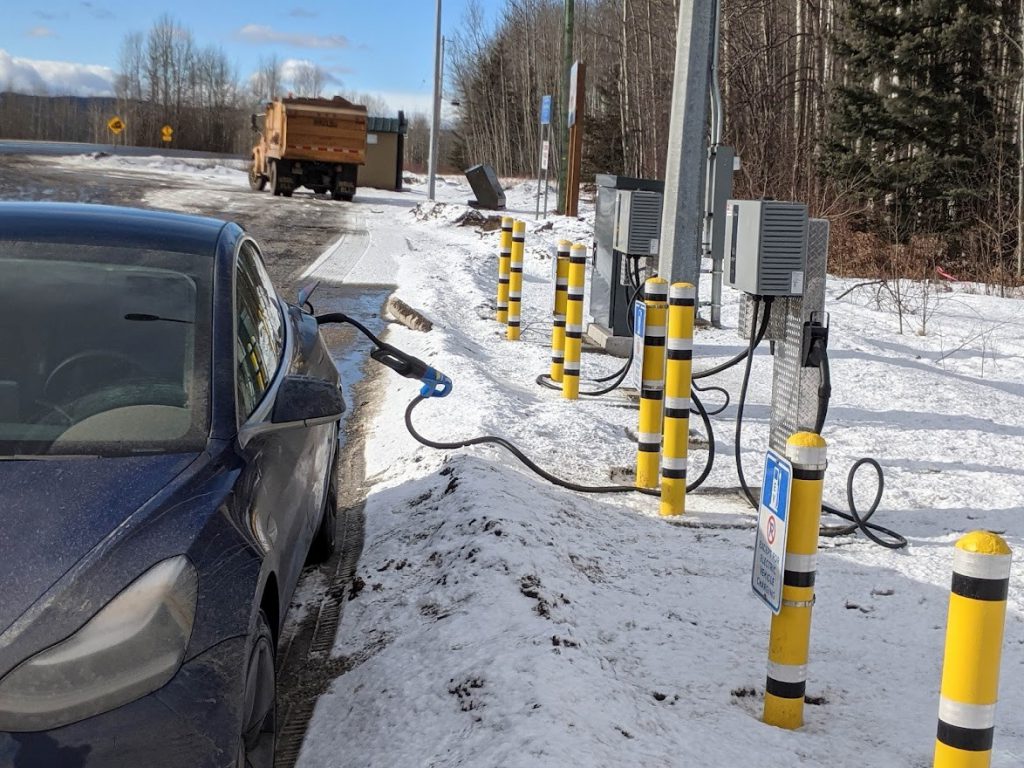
[167, 133]
[116, 125]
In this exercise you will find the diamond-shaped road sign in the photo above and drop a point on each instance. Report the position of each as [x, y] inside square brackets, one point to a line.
[167, 133]
[116, 125]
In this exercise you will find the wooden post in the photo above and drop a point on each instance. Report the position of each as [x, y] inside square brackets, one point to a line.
[572, 182]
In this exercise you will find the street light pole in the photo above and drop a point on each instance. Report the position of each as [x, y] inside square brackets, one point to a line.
[435, 122]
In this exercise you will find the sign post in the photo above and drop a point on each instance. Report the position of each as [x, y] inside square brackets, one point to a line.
[772, 517]
[542, 170]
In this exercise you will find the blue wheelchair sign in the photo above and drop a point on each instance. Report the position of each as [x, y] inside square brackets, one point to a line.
[772, 517]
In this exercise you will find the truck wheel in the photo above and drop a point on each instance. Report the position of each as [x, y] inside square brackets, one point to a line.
[275, 182]
[257, 181]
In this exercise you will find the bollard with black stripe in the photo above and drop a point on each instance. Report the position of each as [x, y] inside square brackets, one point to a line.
[652, 384]
[789, 642]
[974, 643]
[504, 260]
[515, 281]
[558, 320]
[574, 322]
[678, 370]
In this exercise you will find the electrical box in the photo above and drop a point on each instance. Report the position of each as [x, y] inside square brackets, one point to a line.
[766, 247]
[609, 292]
[637, 222]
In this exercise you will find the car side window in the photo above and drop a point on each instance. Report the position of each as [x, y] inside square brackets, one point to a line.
[259, 330]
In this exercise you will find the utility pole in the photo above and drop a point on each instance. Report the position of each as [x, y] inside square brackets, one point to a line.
[435, 122]
[682, 220]
[563, 113]
[1020, 162]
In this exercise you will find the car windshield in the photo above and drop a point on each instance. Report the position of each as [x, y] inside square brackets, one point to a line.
[103, 350]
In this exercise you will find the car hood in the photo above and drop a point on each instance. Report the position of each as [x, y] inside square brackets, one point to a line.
[54, 511]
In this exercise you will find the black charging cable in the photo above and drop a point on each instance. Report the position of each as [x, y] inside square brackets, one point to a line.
[818, 355]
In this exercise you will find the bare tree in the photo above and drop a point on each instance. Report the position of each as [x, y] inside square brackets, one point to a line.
[308, 79]
[266, 84]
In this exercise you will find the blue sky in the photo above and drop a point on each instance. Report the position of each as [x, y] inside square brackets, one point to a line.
[384, 48]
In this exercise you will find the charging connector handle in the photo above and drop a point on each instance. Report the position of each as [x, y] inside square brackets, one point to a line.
[435, 383]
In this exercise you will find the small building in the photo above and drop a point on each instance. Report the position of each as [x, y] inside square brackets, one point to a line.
[385, 149]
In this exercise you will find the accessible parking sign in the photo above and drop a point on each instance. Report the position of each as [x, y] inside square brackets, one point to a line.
[772, 518]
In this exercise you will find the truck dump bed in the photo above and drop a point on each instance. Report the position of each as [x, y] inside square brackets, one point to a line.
[321, 130]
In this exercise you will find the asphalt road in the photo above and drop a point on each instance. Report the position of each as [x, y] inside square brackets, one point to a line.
[293, 233]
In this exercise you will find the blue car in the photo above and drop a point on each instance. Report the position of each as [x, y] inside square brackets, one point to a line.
[168, 439]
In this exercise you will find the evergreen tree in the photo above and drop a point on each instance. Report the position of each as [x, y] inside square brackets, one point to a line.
[912, 119]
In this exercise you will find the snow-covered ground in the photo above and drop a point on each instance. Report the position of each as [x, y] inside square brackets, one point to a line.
[507, 622]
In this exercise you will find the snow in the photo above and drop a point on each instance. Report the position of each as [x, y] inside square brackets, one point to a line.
[224, 170]
[506, 621]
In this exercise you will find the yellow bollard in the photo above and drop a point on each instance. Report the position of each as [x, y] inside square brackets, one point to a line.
[678, 364]
[504, 258]
[515, 284]
[574, 322]
[652, 384]
[558, 322]
[974, 643]
[791, 627]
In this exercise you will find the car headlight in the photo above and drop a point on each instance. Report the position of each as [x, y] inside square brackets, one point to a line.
[132, 647]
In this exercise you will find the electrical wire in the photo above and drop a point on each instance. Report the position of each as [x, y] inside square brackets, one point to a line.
[515, 451]
[616, 378]
[884, 537]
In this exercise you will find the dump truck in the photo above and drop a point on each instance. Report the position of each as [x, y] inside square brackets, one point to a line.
[313, 143]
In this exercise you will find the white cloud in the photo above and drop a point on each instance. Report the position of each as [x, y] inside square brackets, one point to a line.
[290, 68]
[257, 33]
[41, 32]
[54, 78]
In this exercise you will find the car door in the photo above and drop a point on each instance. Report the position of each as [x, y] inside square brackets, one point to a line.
[278, 505]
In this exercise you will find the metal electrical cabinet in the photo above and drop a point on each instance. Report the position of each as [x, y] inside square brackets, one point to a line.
[637, 222]
[627, 220]
[766, 247]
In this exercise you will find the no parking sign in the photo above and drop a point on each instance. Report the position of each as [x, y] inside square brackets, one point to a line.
[772, 518]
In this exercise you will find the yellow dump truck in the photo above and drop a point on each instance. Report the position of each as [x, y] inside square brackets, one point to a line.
[314, 143]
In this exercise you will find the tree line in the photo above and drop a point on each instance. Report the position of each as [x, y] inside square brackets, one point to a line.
[898, 121]
[165, 77]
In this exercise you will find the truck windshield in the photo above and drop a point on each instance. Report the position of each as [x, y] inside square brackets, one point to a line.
[103, 350]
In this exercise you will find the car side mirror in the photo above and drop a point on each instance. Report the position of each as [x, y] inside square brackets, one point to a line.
[306, 401]
[301, 401]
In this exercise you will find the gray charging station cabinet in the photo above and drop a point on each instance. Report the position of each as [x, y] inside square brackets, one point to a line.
[486, 187]
[766, 247]
[623, 223]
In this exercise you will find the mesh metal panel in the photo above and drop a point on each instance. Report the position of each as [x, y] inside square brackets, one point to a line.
[794, 388]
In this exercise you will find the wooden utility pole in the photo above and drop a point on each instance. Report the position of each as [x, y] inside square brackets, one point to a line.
[575, 155]
[1020, 160]
[563, 124]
